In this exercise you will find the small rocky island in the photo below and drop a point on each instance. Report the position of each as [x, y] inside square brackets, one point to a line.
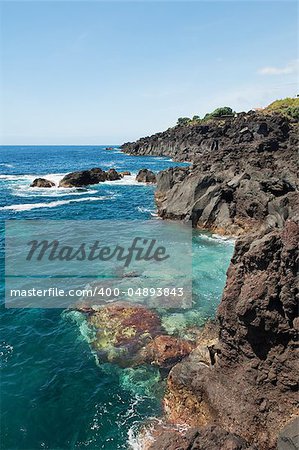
[242, 181]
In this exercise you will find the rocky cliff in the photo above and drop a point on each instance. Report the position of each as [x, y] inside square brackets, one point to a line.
[242, 181]
[243, 174]
[250, 386]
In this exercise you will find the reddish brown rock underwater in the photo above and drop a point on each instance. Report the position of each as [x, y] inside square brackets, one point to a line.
[131, 335]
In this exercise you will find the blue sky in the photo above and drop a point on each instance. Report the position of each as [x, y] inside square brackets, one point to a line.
[107, 72]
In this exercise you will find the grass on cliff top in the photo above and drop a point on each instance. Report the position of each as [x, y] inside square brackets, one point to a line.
[287, 106]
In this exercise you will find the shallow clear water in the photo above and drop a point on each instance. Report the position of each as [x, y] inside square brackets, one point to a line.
[53, 393]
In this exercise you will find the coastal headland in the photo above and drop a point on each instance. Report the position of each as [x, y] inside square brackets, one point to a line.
[242, 181]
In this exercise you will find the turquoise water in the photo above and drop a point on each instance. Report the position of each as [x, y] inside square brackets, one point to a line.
[54, 395]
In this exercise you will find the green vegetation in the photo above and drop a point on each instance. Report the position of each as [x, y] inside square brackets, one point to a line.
[220, 112]
[287, 106]
[183, 121]
[217, 113]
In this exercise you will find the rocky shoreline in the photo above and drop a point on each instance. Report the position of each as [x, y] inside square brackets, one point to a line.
[242, 182]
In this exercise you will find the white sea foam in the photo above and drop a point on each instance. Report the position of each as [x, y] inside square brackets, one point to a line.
[141, 438]
[28, 178]
[218, 238]
[127, 180]
[9, 166]
[145, 210]
[33, 192]
[30, 206]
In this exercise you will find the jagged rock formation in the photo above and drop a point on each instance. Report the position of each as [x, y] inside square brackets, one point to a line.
[243, 185]
[243, 181]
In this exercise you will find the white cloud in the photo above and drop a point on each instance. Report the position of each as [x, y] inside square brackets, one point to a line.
[290, 68]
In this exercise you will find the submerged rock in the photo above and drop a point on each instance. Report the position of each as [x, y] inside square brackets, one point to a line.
[42, 182]
[122, 330]
[146, 176]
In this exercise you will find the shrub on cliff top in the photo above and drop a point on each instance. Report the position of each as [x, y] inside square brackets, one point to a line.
[183, 120]
[293, 111]
[220, 112]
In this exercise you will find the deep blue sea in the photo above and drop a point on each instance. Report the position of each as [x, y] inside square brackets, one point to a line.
[54, 395]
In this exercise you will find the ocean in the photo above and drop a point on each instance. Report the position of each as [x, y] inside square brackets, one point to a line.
[54, 393]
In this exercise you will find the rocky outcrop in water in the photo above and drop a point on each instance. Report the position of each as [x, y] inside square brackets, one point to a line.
[146, 176]
[87, 177]
[131, 334]
[42, 182]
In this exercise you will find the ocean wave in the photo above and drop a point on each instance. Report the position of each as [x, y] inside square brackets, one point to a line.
[30, 206]
[145, 210]
[28, 178]
[33, 192]
[9, 166]
[5, 352]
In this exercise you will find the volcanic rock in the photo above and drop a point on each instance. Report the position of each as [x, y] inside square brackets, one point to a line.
[112, 175]
[83, 178]
[42, 182]
[251, 389]
[146, 176]
[87, 177]
[208, 438]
